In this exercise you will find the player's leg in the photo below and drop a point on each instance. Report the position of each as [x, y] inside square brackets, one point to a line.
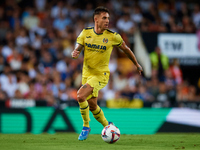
[97, 111]
[98, 83]
[82, 94]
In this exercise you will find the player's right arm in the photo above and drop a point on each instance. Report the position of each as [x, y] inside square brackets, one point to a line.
[79, 45]
[78, 48]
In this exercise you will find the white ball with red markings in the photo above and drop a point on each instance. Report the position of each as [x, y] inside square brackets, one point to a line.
[110, 134]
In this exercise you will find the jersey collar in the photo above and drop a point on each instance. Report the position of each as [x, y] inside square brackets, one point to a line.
[97, 33]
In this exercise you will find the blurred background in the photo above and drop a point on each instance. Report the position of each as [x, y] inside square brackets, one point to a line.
[38, 36]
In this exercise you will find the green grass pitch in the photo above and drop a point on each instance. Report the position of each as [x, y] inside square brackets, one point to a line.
[69, 141]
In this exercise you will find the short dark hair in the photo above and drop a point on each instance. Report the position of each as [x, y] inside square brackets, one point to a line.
[99, 10]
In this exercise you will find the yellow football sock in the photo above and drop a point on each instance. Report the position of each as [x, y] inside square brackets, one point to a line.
[84, 109]
[99, 116]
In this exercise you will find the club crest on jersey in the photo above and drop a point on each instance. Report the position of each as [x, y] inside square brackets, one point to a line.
[105, 40]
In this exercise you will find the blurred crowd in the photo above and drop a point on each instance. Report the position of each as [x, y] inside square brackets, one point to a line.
[38, 36]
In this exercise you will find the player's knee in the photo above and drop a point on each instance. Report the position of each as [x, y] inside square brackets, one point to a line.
[80, 97]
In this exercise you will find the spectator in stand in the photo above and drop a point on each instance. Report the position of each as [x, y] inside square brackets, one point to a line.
[159, 62]
[163, 95]
[2, 16]
[47, 94]
[15, 60]
[113, 63]
[108, 92]
[88, 12]
[143, 94]
[2, 64]
[3, 96]
[172, 26]
[68, 42]
[40, 4]
[133, 83]
[151, 14]
[120, 81]
[8, 37]
[125, 24]
[136, 15]
[61, 65]
[89, 23]
[196, 16]
[63, 95]
[4, 24]
[153, 86]
[39, 30]
[198, 88]
[10, 86]
[57, 85]
[49, 38]
[144, 4]
[47, 61]
[182, 91]
[192, 93]
[22, 39]
[75, 12]
[31, 20]
[23, 86]
[170, 85]
[176, 71]
[186, 92]
[164, 13]
[33, 93]
[59, 8]
[37, 43]
[8, 49]
[184, 11]
[144, 25]
[15, 19]
[79, 26]
[61, 22]
[188, 25]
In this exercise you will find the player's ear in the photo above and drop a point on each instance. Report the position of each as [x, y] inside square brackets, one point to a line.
[95, 18]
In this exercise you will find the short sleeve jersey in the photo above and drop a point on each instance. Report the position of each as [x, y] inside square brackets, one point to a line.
[97, 49]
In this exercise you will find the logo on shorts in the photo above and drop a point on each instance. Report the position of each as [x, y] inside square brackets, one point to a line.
[105, 40]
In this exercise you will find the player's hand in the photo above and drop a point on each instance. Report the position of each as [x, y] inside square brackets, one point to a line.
[75, 54]
[139, 69]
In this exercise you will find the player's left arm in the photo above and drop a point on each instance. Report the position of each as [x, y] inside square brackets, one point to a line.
[131, 56]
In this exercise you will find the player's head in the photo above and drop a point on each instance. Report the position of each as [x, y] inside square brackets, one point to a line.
[101, 17]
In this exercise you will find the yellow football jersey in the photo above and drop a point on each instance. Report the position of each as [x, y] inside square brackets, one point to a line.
[97, 49]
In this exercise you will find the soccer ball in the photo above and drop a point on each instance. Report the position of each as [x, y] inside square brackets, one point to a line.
[110, 134]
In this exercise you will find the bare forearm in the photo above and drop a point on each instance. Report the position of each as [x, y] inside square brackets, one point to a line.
[78, 47]
[129, 53]
[77, 50]
[131, 56]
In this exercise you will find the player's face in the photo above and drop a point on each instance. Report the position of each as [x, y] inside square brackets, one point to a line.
[103, 20]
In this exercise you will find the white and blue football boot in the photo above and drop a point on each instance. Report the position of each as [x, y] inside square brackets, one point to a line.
[84, 133]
